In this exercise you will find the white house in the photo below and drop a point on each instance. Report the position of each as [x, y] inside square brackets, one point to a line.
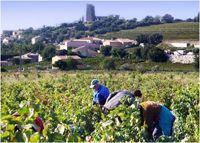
[7, 40]
[179, 52]
[33, 57]
[127, 42]
[58, 58]
[63, 47]
[35, 39]
[113, 43]
[181, 45]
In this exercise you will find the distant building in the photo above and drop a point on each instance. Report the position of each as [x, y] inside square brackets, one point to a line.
[78, 43]
[90, 13]
[34, 40]
[17, 34]
[62, 47]
[113, 43]
[58, 58]
[127, 42]
[89, 39]
[32, 57]
[85, 52]
[119, 43]
[6, 63]
[7, 40]
[181, 45]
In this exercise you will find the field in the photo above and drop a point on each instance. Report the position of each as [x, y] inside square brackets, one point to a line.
[185, 30]
[63, 100]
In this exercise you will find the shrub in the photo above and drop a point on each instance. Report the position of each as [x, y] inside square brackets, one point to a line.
[125, 67]
[157, 55]
[3, 70]
[105, 50]
[66, 65]
[108, 64]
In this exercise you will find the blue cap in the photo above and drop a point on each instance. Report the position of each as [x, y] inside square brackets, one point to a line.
[93, 83]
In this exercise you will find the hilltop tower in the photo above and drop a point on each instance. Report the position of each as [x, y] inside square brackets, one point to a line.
[90, 13]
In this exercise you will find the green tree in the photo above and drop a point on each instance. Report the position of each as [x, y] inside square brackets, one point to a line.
[156, 38]
[48, 52]
[196, 19]
[106, 50]
[142, 38]
[108, 64]
[167, 18]
[121, 53]
[196, 62]
[148, 20]
[67, 64]
[157, 55]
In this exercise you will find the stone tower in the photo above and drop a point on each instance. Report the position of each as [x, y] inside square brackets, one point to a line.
[90, 13]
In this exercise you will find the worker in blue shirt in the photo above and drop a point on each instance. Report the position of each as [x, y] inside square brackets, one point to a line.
[101, 92]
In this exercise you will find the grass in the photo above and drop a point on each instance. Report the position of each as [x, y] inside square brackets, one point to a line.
[173, 31]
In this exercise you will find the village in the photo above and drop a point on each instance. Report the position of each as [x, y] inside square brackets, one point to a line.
[89, 47]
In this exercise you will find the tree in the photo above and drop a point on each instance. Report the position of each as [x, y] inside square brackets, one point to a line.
[37, 47]
[196, 19]
[167, 18]
[196, 62]
[121, 53]
[178, 20]
[80, 27]
[157, 55]
[157, 19]
[108, 64]
[142, 38]
[156, 38]
[150, 39]
[66, 65]
[137, 52]
[48, 52]
[189, 20]
[106, 50]
[148, 20]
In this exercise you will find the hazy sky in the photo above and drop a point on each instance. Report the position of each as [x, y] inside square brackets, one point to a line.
[25, 14]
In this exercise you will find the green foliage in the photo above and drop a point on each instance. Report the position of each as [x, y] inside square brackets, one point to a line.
[66, 65]
[167, 18]
[153, 39]
[48, 52]
[63, 101]
[106, 50]
[108, 64]
[157, 55]
[196, 64]
[119, 53]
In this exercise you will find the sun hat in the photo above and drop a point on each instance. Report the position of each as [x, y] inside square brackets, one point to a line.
[93, 83]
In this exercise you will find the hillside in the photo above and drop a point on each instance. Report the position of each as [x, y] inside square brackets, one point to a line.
[173, 31]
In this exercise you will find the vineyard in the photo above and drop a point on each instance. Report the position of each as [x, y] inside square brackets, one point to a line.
[63, 100]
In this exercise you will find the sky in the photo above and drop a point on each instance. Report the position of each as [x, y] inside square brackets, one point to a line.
[24, 14]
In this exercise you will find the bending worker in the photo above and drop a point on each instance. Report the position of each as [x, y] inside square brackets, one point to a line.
[115, 98]
[100, 92]
[158, 119]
